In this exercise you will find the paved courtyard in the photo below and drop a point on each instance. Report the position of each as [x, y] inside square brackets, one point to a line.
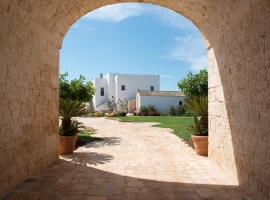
[134, 161]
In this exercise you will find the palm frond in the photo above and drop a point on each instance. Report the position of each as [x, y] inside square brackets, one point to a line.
[199, 105]
[69, 108]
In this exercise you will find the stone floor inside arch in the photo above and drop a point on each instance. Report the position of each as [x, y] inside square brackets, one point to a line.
[136, 161]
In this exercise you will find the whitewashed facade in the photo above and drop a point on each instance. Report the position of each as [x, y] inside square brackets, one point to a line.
[162, 100]
[122, 86]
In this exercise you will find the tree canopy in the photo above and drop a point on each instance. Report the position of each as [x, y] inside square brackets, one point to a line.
[76, 89]
[195, 84]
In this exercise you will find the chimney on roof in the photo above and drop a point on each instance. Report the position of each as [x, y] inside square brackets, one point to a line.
[101, 75]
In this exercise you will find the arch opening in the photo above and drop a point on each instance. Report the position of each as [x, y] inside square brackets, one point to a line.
[231, 169]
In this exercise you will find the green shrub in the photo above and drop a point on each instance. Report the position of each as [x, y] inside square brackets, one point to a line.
[152, 111]
[121, 114]
[177, 111]
[199, 105]
[148, 111]
[151, 108]
[76, 89]
[143, 111]
[172, 111]
[112, 114]
[97, 114]
[69, 109]
[188, 112]
[72, 129]
[180, 110]
[195, 84]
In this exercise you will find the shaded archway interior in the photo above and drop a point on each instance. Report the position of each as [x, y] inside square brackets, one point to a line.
[31, 33]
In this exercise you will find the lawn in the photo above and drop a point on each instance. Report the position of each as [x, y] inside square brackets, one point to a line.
[179, 125]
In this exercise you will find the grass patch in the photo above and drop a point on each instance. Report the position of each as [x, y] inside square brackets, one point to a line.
[85, 136]
[179, 125]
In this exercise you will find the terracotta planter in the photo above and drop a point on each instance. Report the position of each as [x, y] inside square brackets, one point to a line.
[200, 144]
[67, 144]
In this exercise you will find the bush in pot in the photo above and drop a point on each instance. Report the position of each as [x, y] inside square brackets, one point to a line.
[69, 128]
[199, 106]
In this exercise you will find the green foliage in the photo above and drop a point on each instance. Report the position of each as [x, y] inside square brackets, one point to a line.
[177, 111]
[172, 111]
[97, 114]
[71, 128]
[144, 109]
[76, 89]
[197, 128]
[199, 106]
[151, 108]
[180, 110]
[195, 84]
[149, 111]
[188, 112]
[69, 109]
[121, 114]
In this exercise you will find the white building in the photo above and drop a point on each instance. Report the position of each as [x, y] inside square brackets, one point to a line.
[162, 100]
[122, 86]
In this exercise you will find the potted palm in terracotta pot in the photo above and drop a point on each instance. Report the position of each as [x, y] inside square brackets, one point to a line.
[199, 106]
[69, 127]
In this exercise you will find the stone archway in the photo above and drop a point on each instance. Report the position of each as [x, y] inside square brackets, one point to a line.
[235, 32]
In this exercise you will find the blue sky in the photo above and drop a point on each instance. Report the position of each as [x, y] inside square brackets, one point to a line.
[133, 38]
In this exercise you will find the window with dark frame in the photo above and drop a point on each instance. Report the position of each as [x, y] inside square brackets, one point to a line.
[152, 88]
[180, 103]
[123, 87]
[102, 91]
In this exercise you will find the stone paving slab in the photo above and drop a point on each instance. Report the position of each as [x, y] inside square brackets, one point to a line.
[135, 161]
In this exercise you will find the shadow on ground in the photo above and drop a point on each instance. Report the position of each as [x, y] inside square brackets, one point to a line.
[87, 158]
[76, 179]
[189, 143]
[106, 141]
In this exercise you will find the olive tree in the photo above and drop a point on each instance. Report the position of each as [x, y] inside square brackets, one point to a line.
[195, 84]
[76, 89]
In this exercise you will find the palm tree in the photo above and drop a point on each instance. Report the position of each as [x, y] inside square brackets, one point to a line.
[199, 106]
[69, 109]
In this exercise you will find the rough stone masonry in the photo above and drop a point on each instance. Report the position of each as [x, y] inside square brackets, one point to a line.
[236, 34]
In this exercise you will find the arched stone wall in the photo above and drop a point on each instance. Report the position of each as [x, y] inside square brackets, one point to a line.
[238, 41]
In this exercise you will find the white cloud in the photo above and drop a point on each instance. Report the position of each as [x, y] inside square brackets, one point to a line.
[187, 38]
[190, 49]
[116, 12]
[171, 18]
[121, 11]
